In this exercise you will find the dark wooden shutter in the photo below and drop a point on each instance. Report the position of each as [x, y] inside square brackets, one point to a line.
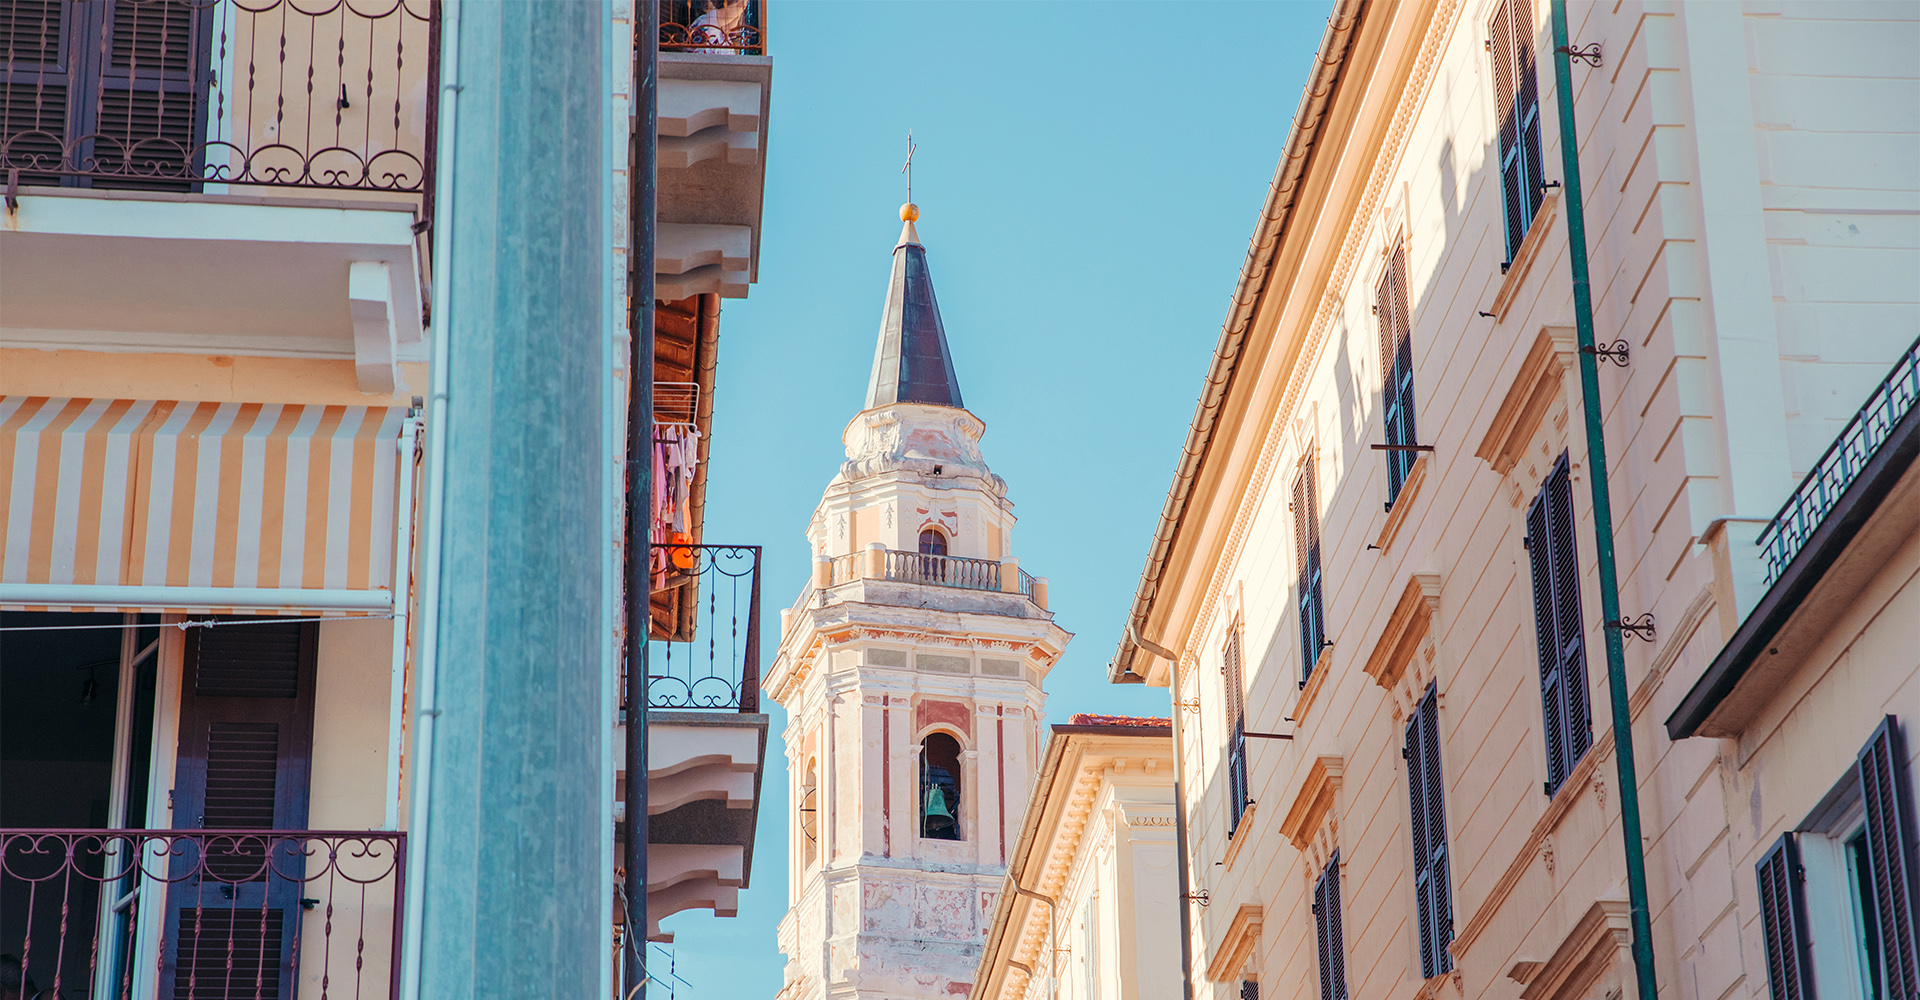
[1432, 890]
[1396, 371]
[1306, 530]
[1332, 942]
[1783, 920]
[246, 738]
[1558, 629]
[1516, 90]
[34, 93]
[1893, 851]
[1237, 739]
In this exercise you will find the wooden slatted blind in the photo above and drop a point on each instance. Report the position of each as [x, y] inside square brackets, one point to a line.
[1558, 627]
[1432, 889]
[1394, 312]
[1893, 852]
[1237, 786]
[1516, 90]
[1306, 530]
[1328, 935]
[1783, 922]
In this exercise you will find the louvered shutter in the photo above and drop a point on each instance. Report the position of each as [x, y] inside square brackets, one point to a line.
[1432, 890]
[246, 736]
[1558, 628]
[1552, 703]
[1783, 920]
[1237, 738]
[1507, 108]
[148, 119]
[34, 94]
[1893, 851]
[1328, 934]
[1306, 533]
[1396, 367]
[1527, 78]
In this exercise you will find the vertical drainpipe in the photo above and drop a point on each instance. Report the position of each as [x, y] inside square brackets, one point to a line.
[643, 170]
[1179, 809]
[1603, 519]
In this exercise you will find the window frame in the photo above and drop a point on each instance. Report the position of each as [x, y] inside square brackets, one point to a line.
[925, 775]
[1233, 674]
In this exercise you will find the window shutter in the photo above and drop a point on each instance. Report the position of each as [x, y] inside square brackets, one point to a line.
[1432, 890]
[1528, 80]
[1237, 785]
[1886, 792]
[1570, 630]
[147, 119]
[1783, 920]
[246, 736]
[1331, 941]
[1506, 106]
[1552, 705]
[1396, 366]
[1306, 528]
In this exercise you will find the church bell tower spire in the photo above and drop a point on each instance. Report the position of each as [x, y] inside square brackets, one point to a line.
[911, 670]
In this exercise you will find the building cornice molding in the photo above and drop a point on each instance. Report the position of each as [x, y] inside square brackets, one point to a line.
[1315, 814]
[1399, 646]
[1598, 939]
[1241, 937]
[1529, 398]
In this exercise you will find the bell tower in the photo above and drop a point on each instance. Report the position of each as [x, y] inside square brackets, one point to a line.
[910, 670]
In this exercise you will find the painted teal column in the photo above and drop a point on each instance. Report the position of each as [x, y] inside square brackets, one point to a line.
[514, 862]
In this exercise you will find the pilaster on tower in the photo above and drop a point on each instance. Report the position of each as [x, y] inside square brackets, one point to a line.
[911, 671]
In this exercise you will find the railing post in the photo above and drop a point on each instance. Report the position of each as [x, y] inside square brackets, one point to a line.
[1040, 592]
[1010, 575]
[822, 571]
[750, 670]
[876, 568]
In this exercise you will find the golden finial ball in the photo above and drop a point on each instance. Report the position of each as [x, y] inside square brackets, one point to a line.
[909, 212]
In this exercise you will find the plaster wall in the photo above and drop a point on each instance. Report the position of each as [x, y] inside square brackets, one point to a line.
[1716, 245]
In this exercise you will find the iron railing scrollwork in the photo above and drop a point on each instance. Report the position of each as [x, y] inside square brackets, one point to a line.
[204, 913]
[1782, 538]
[179, 94]
[714, 663]
[730, 27]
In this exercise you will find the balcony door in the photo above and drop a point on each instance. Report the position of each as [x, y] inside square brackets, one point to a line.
[246, 740]
[105, 87]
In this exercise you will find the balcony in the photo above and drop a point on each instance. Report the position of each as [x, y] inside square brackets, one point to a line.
[715, 79]
[871, 576]
[210, 176]
[203, 913]
[706, 736]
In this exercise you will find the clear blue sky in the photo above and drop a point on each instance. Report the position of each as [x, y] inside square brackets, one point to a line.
[1089, 175]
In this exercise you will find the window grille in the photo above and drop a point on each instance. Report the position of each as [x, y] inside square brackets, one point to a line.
[1306, 528]
[1558, 628]
[1396, 372]
[1432, 889]
[1516, 89]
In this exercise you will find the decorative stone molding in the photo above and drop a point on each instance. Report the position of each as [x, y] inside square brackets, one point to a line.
[1402, 658]
[1402, 503]
[1597, 943]
[1241, 937]
[1523, 258]
[918, 438]
[1529, 398]
[1313, 823]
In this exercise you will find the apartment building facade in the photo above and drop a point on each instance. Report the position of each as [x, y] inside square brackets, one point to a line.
[217, 342]
[1380, 538]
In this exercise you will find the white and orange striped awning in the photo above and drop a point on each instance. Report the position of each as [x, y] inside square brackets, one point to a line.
[182, 506]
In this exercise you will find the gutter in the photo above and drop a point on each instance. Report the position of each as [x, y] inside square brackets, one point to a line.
[1315, 98]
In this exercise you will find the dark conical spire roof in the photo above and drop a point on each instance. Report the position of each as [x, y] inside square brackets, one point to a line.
[912, 363]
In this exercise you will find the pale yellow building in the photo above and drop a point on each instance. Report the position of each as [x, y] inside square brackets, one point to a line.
[1379, 540]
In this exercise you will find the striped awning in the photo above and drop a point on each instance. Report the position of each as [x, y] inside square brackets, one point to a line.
[277, 507]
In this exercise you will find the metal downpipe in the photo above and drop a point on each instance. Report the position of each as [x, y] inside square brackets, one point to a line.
[643, 176]
[1641, 921]
[1179, 808]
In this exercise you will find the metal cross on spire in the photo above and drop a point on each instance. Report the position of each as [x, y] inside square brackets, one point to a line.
[907, 167]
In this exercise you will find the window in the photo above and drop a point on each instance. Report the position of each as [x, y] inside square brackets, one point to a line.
[933, 543]
[1396, 372]
[1332, 943]
[1432, 890]
[940, 787]
[107, 87]
[1516, 93]
[1839, 895]
[1557, 625]
[1237, 738]
[1306, 532]
[809, 812]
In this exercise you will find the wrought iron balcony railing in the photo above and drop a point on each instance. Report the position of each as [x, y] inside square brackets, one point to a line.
[1890, 402]
[203, 913]
[730, 27]
[705, 654]
[180, 94]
